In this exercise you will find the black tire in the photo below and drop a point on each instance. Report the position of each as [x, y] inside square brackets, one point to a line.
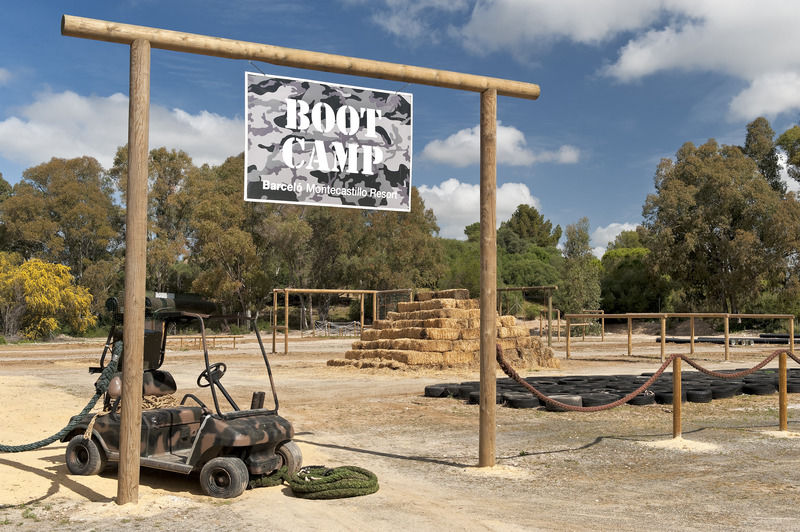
[699, 396]
[521, 401]
[665, 398]
[84, 457]
[647, 397]
[759, 388]
[725, 391]
[598, 399]
[793, 387]
[571, 400]
[224, 477]
[435, 390]
[291, 456]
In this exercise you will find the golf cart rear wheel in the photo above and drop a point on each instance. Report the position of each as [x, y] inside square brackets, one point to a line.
[224, 477]
[84, 457]
[291, 455]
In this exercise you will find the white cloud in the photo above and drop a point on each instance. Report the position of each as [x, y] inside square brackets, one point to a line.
[457, 205]
[68, 125]
[413, 20]
[756, 42]
[463, 149]
[5, 76]
[601, 236]
[518, 24]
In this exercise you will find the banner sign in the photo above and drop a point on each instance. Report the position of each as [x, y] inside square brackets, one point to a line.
[314, 143]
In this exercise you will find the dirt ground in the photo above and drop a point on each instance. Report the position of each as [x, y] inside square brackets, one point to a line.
[612, 470]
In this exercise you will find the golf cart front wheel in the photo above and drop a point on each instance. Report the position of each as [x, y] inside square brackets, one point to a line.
[84, 457]
[291, 456]
[224, 477]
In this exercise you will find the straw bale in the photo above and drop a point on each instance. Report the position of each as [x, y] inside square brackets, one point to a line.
[470, 334]
[436, 304]
[411, 344]
[425, 296]
[512, 332]
[457, 358]
[455, 293]
[406, 332]
[506, 321]
[382, 324]
[436, 313]
[441, 334]
[467, 345]
[514, 343]
[372, 334]
[408, 306]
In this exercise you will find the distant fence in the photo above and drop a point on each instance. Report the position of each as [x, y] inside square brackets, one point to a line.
[691, 315]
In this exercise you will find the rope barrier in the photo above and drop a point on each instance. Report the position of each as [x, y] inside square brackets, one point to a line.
[320, 482]
[508, 370]
[100, 388]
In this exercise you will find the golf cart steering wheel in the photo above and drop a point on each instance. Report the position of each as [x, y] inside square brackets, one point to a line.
[213, 374]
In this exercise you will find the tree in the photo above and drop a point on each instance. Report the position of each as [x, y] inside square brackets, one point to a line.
[463, 268]
[627, 239]
[717, 228]
[63, 211]
[223, 250]
[789, 141]
[37, 297]
[581, 271]
[760, 147]
[531, 227]
[629, 284]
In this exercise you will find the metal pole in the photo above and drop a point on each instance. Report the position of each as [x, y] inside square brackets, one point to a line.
[135, 272]
[488, 296]
[676, 397]
[783, 400]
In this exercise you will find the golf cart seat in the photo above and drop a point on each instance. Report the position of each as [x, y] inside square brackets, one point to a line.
[155, 383]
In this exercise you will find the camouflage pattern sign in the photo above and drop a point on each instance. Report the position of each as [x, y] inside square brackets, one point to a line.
[318, 143]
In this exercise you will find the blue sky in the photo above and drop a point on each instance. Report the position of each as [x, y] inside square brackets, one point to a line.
[624, 83]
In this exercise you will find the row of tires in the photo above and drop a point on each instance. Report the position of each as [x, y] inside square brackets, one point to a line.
[598, 390]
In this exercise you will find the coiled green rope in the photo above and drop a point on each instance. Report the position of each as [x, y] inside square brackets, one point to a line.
[320, 482]
[100, 388]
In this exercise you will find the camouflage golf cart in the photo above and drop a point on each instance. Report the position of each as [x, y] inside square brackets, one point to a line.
[226, 444]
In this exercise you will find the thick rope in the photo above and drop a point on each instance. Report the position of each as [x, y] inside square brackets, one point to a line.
[320, 482]
[508, 370]
[100, 388]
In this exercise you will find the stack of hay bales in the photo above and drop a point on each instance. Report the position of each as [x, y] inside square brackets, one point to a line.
[441, 329]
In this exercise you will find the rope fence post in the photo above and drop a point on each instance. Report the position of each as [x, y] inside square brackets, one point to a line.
[783, 401]
[568, 336]
[549, 318]
[691, 335]
[676, 397]
[663, 336]
[791, 335]
[727, 338]
[630, 336]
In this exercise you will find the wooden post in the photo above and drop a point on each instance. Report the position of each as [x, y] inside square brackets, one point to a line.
[549, 319]
[558, 327]
[676, 397]
[541, 326]
[568, 336]
[311, 314]
[488, 199]
[135, 269]
[663, 336]
[274, 317]
[691, 335]
[286, 322]
[602, 329]
[374, 307]
[727, 338]
[630, 336]
[791, 335]
[362, 312]
[783, 401]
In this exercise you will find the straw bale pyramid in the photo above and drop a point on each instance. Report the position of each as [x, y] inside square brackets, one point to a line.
[441, 329]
